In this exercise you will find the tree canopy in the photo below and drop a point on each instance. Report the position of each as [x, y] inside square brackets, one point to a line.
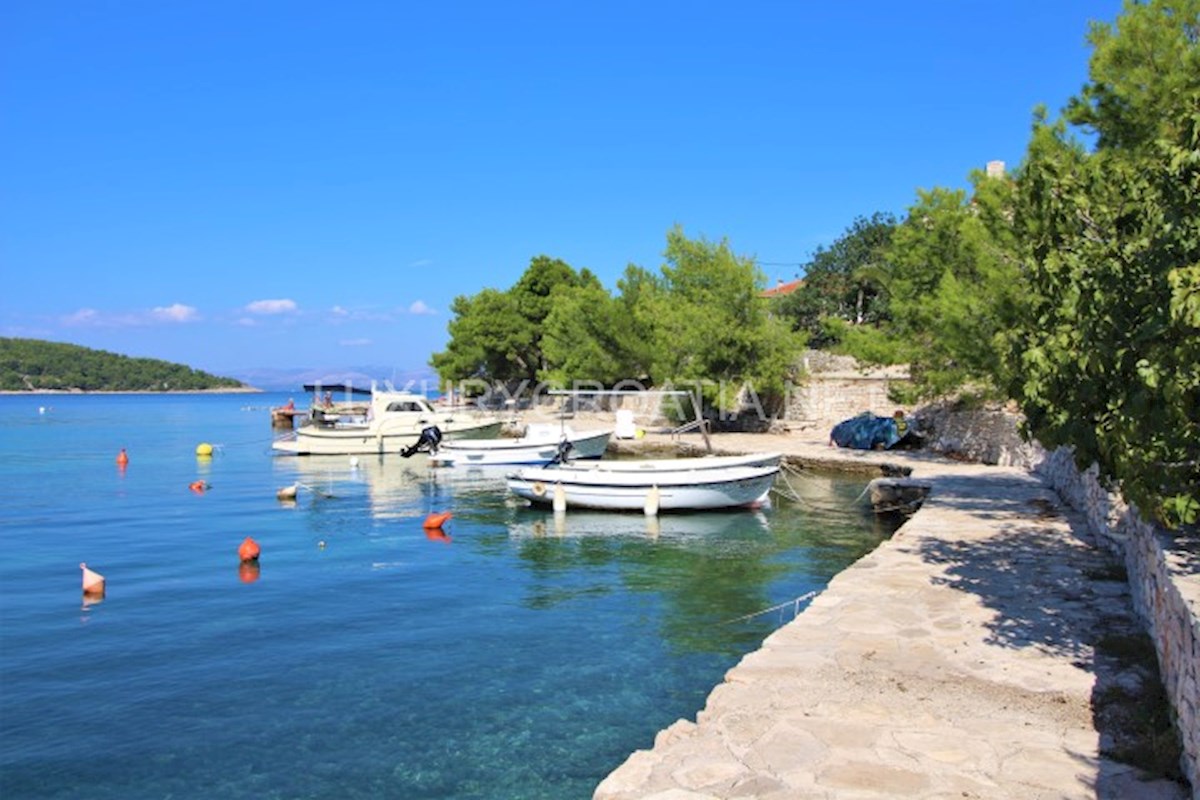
[701, 319]
[1106, 356]
[843, 282]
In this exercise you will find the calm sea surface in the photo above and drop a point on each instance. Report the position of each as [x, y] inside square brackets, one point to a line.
[511, 658]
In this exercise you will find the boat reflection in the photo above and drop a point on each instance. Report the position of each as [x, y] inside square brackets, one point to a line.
[670, 528]
[395, 488]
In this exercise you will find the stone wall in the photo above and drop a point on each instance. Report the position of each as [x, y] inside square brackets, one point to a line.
[1164, 578]
[989, 435]
[837, 388]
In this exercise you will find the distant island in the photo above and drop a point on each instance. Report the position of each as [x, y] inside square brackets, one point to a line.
[33, 365]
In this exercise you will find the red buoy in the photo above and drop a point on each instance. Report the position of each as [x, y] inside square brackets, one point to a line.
[198, 486]
[249, 550]
[122, 458]
[436, 520]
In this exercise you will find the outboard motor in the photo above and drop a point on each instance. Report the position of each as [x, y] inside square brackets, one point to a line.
[563, 454]
[427, 442]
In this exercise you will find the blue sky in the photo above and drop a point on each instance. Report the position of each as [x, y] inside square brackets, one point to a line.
[295, 184]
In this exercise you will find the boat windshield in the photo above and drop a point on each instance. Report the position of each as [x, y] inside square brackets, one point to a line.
[408, 405]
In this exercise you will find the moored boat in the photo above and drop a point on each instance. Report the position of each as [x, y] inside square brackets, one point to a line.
[648, 465]
[541, 443]
[649, 490]
[393, 421]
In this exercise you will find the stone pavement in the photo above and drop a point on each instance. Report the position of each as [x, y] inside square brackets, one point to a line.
[957, 660]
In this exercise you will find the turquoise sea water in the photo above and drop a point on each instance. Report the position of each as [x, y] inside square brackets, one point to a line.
[509, 657]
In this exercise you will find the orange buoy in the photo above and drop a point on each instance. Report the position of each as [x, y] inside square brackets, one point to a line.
[198, 487]
[436, 535]
[436, 520]
[122, 458]
[249, 550]
[93, 582]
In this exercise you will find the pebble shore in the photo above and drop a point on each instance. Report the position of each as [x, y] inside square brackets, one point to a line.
[958, 660]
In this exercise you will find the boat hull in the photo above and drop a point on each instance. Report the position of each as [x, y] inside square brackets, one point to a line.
[680, 490]
[518, 451]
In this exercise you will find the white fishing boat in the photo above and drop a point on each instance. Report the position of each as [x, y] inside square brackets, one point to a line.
[541, 443]
[393, 421]
[650, 491]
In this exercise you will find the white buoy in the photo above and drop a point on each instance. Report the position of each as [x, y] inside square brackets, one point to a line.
[93, 582]
[353, 462]
[560, 498]
[41, 409]
[652, 499]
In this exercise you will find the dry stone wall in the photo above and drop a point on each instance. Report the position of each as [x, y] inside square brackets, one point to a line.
[837, 388]
[1164, 578]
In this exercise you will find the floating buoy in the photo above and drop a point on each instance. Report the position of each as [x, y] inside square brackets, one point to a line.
[434, 521]
[437, 535]
[93, 582]
[199, 487]
[122, 458]
[249, 550]
[204, 449]
[287, 492]
[652, 501]
[560, 498]
[353, 462]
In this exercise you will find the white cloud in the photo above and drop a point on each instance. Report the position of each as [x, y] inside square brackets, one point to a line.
[354, 342]
[338, 311]
[177, 312]
[246, 322]
[84, 316]
[422, 262]
[282, 306]
[419, 307]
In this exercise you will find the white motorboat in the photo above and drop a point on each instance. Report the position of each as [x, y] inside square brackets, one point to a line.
[650, 491]
[541, 443]
[393, 421]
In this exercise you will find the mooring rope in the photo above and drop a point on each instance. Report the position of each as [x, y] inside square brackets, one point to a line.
[794, 603]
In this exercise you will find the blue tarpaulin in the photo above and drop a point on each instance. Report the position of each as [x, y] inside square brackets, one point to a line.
[866, 432]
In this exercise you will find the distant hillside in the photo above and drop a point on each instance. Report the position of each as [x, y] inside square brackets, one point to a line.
[32, 365]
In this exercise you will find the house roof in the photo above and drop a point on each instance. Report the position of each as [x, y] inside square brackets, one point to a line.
[780, 289]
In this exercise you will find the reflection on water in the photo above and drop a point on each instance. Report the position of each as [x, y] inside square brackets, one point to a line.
[665, 528]
[394, 487]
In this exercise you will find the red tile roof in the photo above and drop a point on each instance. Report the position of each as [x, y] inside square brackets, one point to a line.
[781, 288]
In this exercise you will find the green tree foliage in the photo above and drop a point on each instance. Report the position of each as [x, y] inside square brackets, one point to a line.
[497, 335]
[32, 364]
[701, 320]
[1107, 358]
[842, 282]
[952, 283]
[593, 336]
[712, 323]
